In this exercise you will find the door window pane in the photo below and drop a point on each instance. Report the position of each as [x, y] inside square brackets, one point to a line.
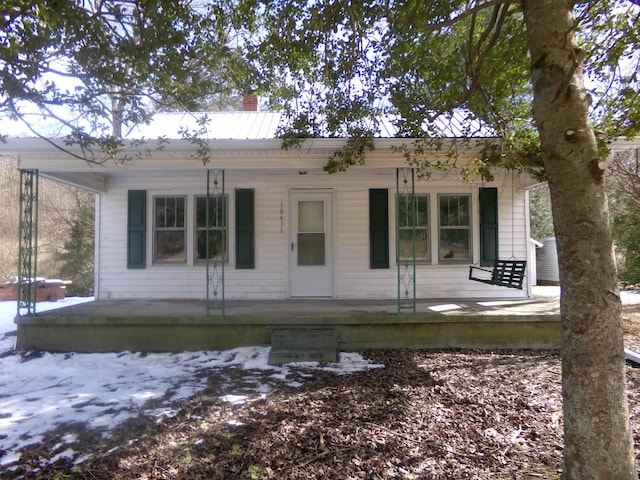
[311, 216]
[311, 234]
[311, 249]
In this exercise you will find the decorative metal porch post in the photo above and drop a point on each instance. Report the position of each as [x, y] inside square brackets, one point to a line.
[215, 265]
[28, 243]
[405, 188]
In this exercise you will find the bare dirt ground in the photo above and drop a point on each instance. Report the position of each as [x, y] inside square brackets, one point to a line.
[427, 415]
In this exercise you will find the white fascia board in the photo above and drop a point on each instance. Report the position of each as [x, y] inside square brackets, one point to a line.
[223, 154]
[620, 144]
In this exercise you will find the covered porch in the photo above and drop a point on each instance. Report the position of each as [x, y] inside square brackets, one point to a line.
[178, 325]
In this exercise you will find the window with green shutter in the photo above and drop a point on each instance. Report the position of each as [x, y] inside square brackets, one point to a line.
[137, 229]
[488, 202]
[245, 244]
[379, 228]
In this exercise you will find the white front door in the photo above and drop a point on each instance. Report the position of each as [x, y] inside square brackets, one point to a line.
[310, 245]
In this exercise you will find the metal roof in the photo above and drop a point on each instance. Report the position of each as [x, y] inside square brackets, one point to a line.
[264, 125]
[237, 125]
[219, 125]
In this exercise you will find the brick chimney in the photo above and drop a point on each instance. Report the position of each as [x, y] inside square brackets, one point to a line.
[250, 103]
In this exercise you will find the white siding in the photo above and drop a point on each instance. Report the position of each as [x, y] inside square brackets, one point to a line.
[269, 280]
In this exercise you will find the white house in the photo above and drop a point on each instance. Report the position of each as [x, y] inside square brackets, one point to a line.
[277, 227]
[292, 230]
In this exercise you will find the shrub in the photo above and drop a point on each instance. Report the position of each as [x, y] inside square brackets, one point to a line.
[77, 257]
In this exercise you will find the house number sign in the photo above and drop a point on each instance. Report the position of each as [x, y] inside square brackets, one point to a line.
[281, 216]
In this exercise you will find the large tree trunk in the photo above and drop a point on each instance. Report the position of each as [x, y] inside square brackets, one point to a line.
[598, 442]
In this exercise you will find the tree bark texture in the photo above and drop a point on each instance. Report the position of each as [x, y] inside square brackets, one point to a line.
[598, 442]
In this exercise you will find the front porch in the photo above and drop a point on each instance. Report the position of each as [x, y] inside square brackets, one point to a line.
[178, 325]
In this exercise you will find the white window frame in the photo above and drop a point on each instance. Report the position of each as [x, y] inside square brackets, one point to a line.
[196, 228]
[175, 228]
[425, 228]
[444, 259]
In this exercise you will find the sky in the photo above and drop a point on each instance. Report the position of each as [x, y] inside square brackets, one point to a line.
[41, 391]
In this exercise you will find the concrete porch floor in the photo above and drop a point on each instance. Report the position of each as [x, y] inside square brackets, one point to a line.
[176, 325]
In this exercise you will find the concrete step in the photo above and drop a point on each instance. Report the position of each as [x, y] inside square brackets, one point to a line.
[303, 345]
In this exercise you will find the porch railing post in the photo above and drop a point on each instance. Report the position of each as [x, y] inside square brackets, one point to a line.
[215, 265]
[28, 243]
[405, 191]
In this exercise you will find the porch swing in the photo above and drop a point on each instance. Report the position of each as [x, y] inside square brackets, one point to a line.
[503, 273]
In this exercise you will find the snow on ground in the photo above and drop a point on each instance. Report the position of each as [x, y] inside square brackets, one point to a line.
[631, 296]
[40, 392]
[553, 291]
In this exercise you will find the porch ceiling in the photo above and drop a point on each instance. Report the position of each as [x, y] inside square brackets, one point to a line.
[94, 182]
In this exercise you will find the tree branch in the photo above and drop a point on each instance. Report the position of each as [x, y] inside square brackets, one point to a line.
[434, 27]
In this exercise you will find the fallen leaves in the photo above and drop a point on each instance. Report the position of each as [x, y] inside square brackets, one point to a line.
[426, 415]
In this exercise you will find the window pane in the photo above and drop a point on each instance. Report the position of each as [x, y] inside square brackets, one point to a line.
[404, 211]
[179, 212]
[454, 210]
[405, 223]
[217, 232]
[216, 212]
[169, 245]
[463, 211]
[216, 250]
[454, 244]
[422, 211]
[169, 212]
[169, 234]
[310, 248]
[161, 212]
[311, 216]
[422, 244]
[201, 209]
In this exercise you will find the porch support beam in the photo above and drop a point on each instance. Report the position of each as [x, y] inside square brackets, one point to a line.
[215, 265]
[405, 190]
[28, 243]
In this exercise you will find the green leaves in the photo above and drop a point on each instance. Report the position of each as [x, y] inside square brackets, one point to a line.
[342, 69]
[336, 69]
[609, 34]
[113, 62]
[333, 68]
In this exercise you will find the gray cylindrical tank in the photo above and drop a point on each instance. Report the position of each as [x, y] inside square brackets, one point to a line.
[547, 263]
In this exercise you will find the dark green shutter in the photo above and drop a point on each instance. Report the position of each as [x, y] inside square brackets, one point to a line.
[245, 256]
[137, 229]
[379, 228]
[488, 199]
